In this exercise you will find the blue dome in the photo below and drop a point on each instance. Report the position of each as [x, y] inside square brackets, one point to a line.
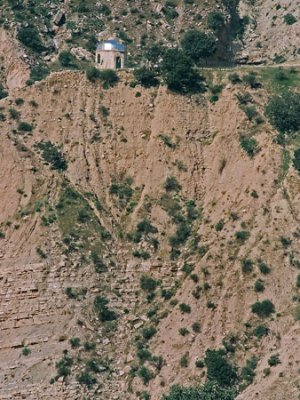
[111, 44]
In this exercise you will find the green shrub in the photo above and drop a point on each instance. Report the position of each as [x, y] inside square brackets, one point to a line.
[242, 236]
[3, 92]
[289, 19]
[171, 184]
[247, 265]
[247, 372]
[26, 351]
[179, 74]
[259, 286]
[38, 73]
[251, 80]
[234, 78]
[102, 310]
[52, 155]
[219, 225]
[25, 127]
[298, 281]
[85, 378]
[66, 59]
[75, 342]
[181, 235]
[122, 190]
[263, 309]
[216, 21]
[183, 331]
[108, 78]
[184, 361]
[274, 360]
[63, 367]
[196, 327]
[29, 36]
[198, 45]
[249, 145]
[145, 374]
[251, 112]
[14, 114]
[208, 391]
[147, 283]
[185, 308]
[148, 332]
[263, 267]
[260, 331]
[89, 346]
[199, 364]
[296, 160]
[146, 77]
[219, 369]
[93, 74]
[284, 112]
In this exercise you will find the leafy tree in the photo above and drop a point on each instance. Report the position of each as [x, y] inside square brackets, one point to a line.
[198, 45]
[29, 36]
[208, 391]
[66, 59]
[219, 369]
[154, 54]
[263, 309]
[146, 77]
[296, 160]
[179, 74]
[216, 21]
[284, 112]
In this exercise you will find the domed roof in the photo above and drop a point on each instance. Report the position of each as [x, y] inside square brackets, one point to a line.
[111, 44]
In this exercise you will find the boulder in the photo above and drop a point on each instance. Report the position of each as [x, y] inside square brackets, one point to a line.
[82, 54]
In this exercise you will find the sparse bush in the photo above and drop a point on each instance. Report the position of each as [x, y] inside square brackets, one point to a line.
[184, 361]
[251, 80]
[14, 114]
[259, 286]
[274, 360]
[249, 145]
[184, 331]
[108, 78]
[145, 374]
[298, 281]
[196, 327]
[219, 225]
[234, 78]
[242, 236]
[101, 308]
[263, 309]
[263, 267]
[247, 372]
[38, 73]
[3, 92]
[85, 378]
[75, 342]
[26, 351]
[247, 265]
[63, 367]
[148, 332]
[93, 74]
[260, 331]
[52, 155]
[251, 112]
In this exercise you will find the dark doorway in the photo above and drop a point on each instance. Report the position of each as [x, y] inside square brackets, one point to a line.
[118, 62]
[98, 58]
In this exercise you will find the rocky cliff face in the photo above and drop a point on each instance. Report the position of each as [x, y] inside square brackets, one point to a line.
[69, 236]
